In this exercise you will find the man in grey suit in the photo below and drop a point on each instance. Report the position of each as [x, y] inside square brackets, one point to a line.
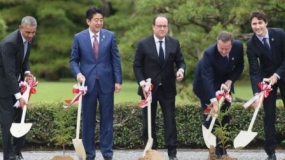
[155, 58]
[14, 67]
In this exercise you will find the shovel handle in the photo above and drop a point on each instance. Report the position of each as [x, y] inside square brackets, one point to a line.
[79, 112]
[256, 111]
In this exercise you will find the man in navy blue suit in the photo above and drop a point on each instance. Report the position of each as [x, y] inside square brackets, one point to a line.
[266, 57]
[222, 62]
[95, 59]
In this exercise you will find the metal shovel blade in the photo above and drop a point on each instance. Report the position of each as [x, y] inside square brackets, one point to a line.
[243, 139]
[20, 129]
[209, 138]
[79, 148]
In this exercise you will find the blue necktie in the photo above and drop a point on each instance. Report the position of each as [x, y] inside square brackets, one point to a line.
[161, 54]
[266, 46]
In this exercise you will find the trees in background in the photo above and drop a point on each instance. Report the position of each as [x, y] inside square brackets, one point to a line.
[195, 23]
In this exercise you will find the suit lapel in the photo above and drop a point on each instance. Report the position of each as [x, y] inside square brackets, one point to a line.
[87, 39]
[167, 47]
[271, 41]
[152, 48]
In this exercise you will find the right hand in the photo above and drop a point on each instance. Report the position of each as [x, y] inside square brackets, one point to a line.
[80, 78]
[22, 102]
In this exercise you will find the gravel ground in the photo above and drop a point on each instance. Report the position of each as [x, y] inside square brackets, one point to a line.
[183, 154]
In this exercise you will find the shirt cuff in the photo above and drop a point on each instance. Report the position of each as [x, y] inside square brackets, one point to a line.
[277, 75]
[18, 95]
[181, 70]
[213, 100]
[142, 83]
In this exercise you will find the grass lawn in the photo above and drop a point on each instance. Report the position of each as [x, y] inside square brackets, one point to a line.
[59, 91]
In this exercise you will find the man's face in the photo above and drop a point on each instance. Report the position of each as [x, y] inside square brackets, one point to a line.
[259, 27]
[96, 23]
[160, 29]
[224, 48]
[28, 32]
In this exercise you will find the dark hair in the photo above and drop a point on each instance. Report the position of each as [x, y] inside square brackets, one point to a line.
[225, 36]
[159, 15]
[93, 10]
[260, 15]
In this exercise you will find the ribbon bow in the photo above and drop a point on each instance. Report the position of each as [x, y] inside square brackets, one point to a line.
[78, 90]
[27, 86]
[264, 87]
[148, 96]
[219, 95]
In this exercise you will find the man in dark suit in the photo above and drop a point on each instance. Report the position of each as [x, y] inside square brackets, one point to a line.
[95, 59]
[14, 67]
[266, 57]
[155, 58]
[222, 62]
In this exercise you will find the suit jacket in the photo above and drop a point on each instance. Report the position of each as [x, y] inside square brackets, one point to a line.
[262, 65]
[146, 64]
[108, 65]
[211, 71]
[12, 64]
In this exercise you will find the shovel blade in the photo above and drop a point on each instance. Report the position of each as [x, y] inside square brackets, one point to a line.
[79, 148]
[148, 146]
[20, 129]
[209, 138]
[243, 139]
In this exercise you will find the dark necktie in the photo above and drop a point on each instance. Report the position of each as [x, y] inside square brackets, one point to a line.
[25, 49]
[161, 54]
[95, 46]
[266, 46]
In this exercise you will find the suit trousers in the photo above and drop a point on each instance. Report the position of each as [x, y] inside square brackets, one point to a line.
[8, 115]
[226, 119]
[168, 112]
[106, 110]
[269, 106]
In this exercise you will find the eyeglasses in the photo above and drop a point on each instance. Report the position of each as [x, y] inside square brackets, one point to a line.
[161, 26]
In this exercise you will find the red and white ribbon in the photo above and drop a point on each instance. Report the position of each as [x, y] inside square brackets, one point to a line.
[78, 90]
[29, 86]
[264, 87]
[219, 95]
[148, 96]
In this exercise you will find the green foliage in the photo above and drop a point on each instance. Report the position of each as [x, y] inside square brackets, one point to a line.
[54, 127]
[63, 127]
[195, 23]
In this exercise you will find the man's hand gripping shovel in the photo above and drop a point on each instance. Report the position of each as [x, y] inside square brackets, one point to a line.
[22, 128]
[209, 137]
[245, 137]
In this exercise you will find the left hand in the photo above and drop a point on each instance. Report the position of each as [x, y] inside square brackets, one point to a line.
[117, 87]
[179, 75]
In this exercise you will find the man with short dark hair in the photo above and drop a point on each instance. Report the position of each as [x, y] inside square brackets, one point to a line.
[222, 62]
[95, 60]
[155, 58]
[14, 67]
[266, 57]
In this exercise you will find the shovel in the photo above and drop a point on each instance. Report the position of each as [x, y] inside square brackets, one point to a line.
[20, 129]
[77, 143]
[244, 137]
[150, 139]
[209, 137]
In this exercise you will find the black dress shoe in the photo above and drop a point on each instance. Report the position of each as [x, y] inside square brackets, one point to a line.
[173, 158]
[19, 157]
[271, 157]
[108, 158]
[89, 158]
